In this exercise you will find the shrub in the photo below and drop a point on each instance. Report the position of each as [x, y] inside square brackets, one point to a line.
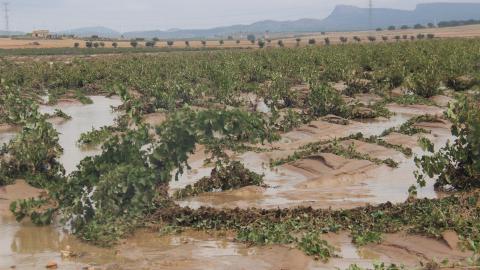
[134, 43]
[418, 26]
[150, 44]
[114, 44]
[34, 155]
[76, 45]
[425, 82]
[312, 244]
[232, 176]
[312, 41]
[261, 43]
[324, 100]
[457, 165]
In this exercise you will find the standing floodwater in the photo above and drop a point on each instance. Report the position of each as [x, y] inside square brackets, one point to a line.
[84, 118]
[28, 246]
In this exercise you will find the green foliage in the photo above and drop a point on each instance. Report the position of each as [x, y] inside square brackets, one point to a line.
[36, 209]
[232, 176]
[429, 217]
[108, 194]
[59, 113]
[311, 151]
[361, 238]
[266, 233]
[324, 100]
[425, 81]
[217, 130]
[96, 136]
[290, 120]
[312, 244]
[33, 155]
[80, 96]
[379, 266]
[16, 109]
[457, 165]
[409, 128]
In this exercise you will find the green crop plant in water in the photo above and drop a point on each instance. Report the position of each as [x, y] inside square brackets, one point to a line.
[33, 154]
[226, 177]
[457, 165]
[311, 150]
[124, 187]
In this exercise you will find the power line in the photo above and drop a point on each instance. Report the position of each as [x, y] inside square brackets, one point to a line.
[7, 25]
[370, 14]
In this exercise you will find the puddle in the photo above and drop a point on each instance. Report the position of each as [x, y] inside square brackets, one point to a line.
[84, 118]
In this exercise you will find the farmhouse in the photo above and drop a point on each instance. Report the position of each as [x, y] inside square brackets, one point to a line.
[40, 33]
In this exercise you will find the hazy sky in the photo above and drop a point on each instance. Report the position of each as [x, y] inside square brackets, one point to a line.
[128, 15]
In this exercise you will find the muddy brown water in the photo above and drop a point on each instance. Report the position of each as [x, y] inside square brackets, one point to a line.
[331, 182]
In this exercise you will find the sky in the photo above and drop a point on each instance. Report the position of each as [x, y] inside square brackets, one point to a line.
[131, 15]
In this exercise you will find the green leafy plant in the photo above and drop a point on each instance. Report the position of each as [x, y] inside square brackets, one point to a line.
[457, 165]
[232, 176]
[312, 244]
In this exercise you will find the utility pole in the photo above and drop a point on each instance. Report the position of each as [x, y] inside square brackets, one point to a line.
[370, 14]
[7, 25]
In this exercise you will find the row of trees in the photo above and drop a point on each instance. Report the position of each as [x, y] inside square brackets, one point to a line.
[458, 23]
[405, 27]
[260, 42]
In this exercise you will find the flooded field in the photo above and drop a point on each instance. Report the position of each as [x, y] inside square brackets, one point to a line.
[332, 157]
[332, 182]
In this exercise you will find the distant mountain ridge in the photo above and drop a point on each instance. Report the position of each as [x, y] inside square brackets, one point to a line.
[11, 33]
[92, 31]
[343, 18]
